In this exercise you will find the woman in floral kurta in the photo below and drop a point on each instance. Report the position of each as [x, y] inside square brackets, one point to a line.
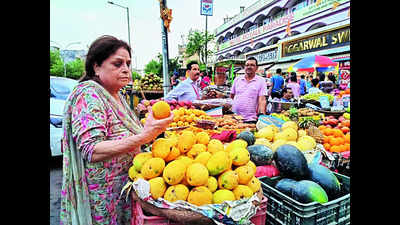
[101, 137]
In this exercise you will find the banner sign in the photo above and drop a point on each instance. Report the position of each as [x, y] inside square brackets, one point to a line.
[259, 31]
[326, 40]
[266, 56]
[206, 7]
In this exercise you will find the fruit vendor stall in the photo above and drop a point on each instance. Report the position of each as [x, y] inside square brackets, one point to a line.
[220, 170]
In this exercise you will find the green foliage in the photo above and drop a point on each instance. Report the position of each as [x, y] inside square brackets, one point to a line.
[173, 64]
[156, 67]
[196, 44]
[75, 69]
[135, 75]
[56, 64]
[153, 67]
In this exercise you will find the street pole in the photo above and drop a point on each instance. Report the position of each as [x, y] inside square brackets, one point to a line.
[206, 48]
[166, 85]
[129, 42]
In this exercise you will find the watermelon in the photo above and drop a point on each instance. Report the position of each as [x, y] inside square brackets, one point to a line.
[248, 137]
[260, 154]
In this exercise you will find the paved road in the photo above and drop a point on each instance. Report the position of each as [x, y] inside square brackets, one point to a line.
[55, 191]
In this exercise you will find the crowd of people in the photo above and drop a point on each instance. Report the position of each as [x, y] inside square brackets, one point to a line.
[251, 92]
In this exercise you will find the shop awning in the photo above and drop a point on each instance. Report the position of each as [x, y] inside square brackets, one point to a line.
[340, 57]
[284, 66]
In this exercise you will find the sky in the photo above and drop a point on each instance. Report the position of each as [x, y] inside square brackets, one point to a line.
[74, 21]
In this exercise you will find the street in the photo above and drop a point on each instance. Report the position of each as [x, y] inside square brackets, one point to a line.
[55, 190]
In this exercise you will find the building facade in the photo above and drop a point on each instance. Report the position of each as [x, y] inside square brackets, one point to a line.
[280, 32]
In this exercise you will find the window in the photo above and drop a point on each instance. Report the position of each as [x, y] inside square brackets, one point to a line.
[253, 27]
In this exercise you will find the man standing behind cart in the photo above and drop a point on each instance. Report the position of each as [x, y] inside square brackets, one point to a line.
[248, 93]
[188, 89]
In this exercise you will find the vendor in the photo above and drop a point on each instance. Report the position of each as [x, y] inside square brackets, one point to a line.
[188, 89]
[219, 90]
[287, 95]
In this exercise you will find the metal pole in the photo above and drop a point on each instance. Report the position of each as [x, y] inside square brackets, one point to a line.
[129, 30]
[206, 47]
[166, 85]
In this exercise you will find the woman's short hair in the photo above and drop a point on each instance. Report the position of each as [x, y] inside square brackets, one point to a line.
[102, 48]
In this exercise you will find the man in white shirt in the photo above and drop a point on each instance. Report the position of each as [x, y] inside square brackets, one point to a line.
[188, 89]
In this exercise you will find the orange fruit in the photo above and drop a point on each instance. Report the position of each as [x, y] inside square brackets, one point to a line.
[327, 139]
[347, 146]
[161, 110]
[347, 138]
[333, 141]
[327, 131]
[327, 146]
[322, 127]
[337, 132]
[335, 148]
[341, 148]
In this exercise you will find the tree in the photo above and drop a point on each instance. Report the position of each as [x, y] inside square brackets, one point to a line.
[75, 69]
[156, 67]
[153, 67]
[56, 64]
[173, 64]
[196, 44]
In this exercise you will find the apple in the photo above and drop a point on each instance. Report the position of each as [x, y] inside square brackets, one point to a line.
[153, 101]
[181, 103]
[188, 103]
[341, 118]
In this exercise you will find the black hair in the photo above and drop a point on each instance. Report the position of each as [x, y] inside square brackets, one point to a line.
[314, 82]
[332, 77]
[189, 65]
[321, 76]
[252, 58]
[279, 71]
[302, 76]
[284, 90]
[102, 48]
[293, 76]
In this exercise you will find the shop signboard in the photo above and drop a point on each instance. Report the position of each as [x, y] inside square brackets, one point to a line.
[299, 14]
[283, 21]
[321, 41]
[316, 8]
[266, 56]
[206, 7]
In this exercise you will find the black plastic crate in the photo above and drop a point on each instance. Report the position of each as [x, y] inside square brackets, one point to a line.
[282, 209]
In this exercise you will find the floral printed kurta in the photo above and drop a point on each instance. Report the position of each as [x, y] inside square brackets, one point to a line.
[90, 190]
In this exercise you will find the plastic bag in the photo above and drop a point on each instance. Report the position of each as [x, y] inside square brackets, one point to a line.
[265, 120]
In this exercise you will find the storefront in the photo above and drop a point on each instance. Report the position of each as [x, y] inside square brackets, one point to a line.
[331, 41]
[266, 58]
